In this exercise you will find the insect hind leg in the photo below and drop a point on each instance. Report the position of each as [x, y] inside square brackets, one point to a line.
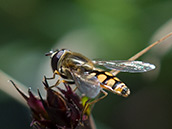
[114, 72]
[88, 104]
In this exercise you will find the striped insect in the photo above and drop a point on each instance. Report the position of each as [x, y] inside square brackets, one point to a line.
[77, 69]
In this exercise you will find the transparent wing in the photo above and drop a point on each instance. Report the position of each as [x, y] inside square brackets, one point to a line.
[126, 66]
[88, 85]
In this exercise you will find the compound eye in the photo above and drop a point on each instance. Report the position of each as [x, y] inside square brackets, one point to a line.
[55, 58]
[59, 54]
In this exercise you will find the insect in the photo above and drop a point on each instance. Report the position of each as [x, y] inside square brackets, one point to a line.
[77, 69]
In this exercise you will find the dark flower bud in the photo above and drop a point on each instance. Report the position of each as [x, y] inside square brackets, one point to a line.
[60, 110]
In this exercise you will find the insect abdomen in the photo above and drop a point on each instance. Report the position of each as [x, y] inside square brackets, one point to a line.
[106, 78]
[112, 83]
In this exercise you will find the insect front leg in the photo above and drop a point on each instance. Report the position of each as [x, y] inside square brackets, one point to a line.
[54, 75]
[57, 82]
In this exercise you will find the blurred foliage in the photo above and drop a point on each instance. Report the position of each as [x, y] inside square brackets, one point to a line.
[111, 29]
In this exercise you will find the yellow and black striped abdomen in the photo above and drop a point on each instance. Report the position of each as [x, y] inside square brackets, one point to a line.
[108, 79]
[112, 83]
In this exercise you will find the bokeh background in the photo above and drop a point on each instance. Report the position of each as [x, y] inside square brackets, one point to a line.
[99, 29]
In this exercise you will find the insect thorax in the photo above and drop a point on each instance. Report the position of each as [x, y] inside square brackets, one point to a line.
[73, 62]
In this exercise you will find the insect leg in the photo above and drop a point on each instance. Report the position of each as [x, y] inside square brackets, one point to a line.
[57, 82]
[54, 74]
[98, 99]
[114, 72]
[88, 104]
[75, 89]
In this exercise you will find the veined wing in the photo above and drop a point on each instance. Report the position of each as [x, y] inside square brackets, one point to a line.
[126, 66]
[88, 85]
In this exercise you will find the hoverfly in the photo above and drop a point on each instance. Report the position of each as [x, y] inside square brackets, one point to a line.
[77, 69]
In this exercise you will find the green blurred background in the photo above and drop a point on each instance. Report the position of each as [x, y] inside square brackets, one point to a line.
[100, 29]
